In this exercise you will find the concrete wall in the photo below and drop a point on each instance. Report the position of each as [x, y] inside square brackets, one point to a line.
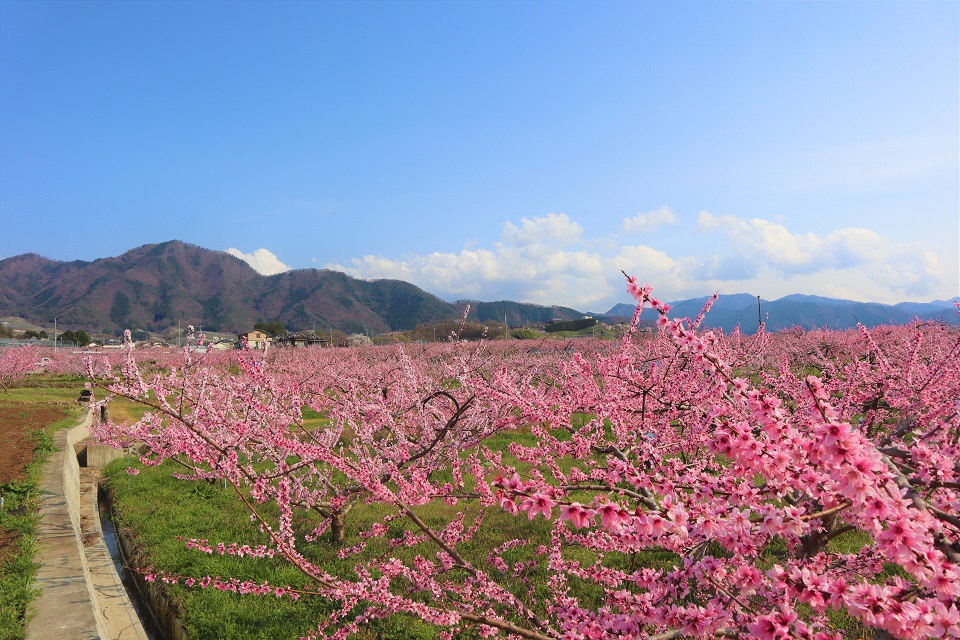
[100, 455]
[65, 608]
[82, 597]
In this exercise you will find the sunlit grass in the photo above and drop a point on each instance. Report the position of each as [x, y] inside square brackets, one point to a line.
[122, 410]
[45, 390]
[159, 509]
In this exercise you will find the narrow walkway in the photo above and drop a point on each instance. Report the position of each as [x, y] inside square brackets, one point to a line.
[82, 595]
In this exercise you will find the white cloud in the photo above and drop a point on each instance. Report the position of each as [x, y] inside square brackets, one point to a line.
[540, 260]
[766, 240]
[858, 262]
[851, 247]
[772, 244]
[548, 260]
[262, 260]
[643, 222]
[555, 228]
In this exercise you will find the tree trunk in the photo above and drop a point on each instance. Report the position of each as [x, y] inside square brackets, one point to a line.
[337, 527]
[814, 542]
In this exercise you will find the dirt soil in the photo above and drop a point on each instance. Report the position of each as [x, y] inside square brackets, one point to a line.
[17, 423]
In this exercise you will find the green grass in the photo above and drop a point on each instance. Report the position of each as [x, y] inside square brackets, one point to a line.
[124, 411]
[158, 509]
[45, 388]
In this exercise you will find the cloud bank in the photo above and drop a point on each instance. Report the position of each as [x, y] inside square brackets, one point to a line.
[551, 260]
[263, 261]
[649, 221]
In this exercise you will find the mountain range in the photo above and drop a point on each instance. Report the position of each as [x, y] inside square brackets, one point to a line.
[797, 310]
[155, 286]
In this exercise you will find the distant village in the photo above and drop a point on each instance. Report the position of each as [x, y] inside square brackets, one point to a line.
[17, 331]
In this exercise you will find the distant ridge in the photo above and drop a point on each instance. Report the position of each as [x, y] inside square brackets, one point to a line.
[798, 310]
[155, 286]
[515, 313]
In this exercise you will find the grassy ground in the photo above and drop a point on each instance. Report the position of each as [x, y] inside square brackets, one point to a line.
[158, 509]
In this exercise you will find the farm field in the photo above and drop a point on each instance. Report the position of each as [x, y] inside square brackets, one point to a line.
[29, 414]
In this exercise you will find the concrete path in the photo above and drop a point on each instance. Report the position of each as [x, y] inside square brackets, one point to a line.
[83, 597]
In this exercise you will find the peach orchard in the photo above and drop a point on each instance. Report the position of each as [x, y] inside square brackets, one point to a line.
[738, 458]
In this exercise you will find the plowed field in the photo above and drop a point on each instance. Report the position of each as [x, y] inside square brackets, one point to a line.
[17, 423]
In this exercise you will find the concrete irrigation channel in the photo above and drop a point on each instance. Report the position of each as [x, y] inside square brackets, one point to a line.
[83, 595]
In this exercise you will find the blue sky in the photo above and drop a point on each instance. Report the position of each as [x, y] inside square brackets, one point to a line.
[497, 150]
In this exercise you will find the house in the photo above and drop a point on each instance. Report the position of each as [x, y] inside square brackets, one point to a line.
[302, 339]
[255, 339]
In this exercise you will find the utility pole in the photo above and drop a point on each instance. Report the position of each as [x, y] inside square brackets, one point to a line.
[54, 336]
